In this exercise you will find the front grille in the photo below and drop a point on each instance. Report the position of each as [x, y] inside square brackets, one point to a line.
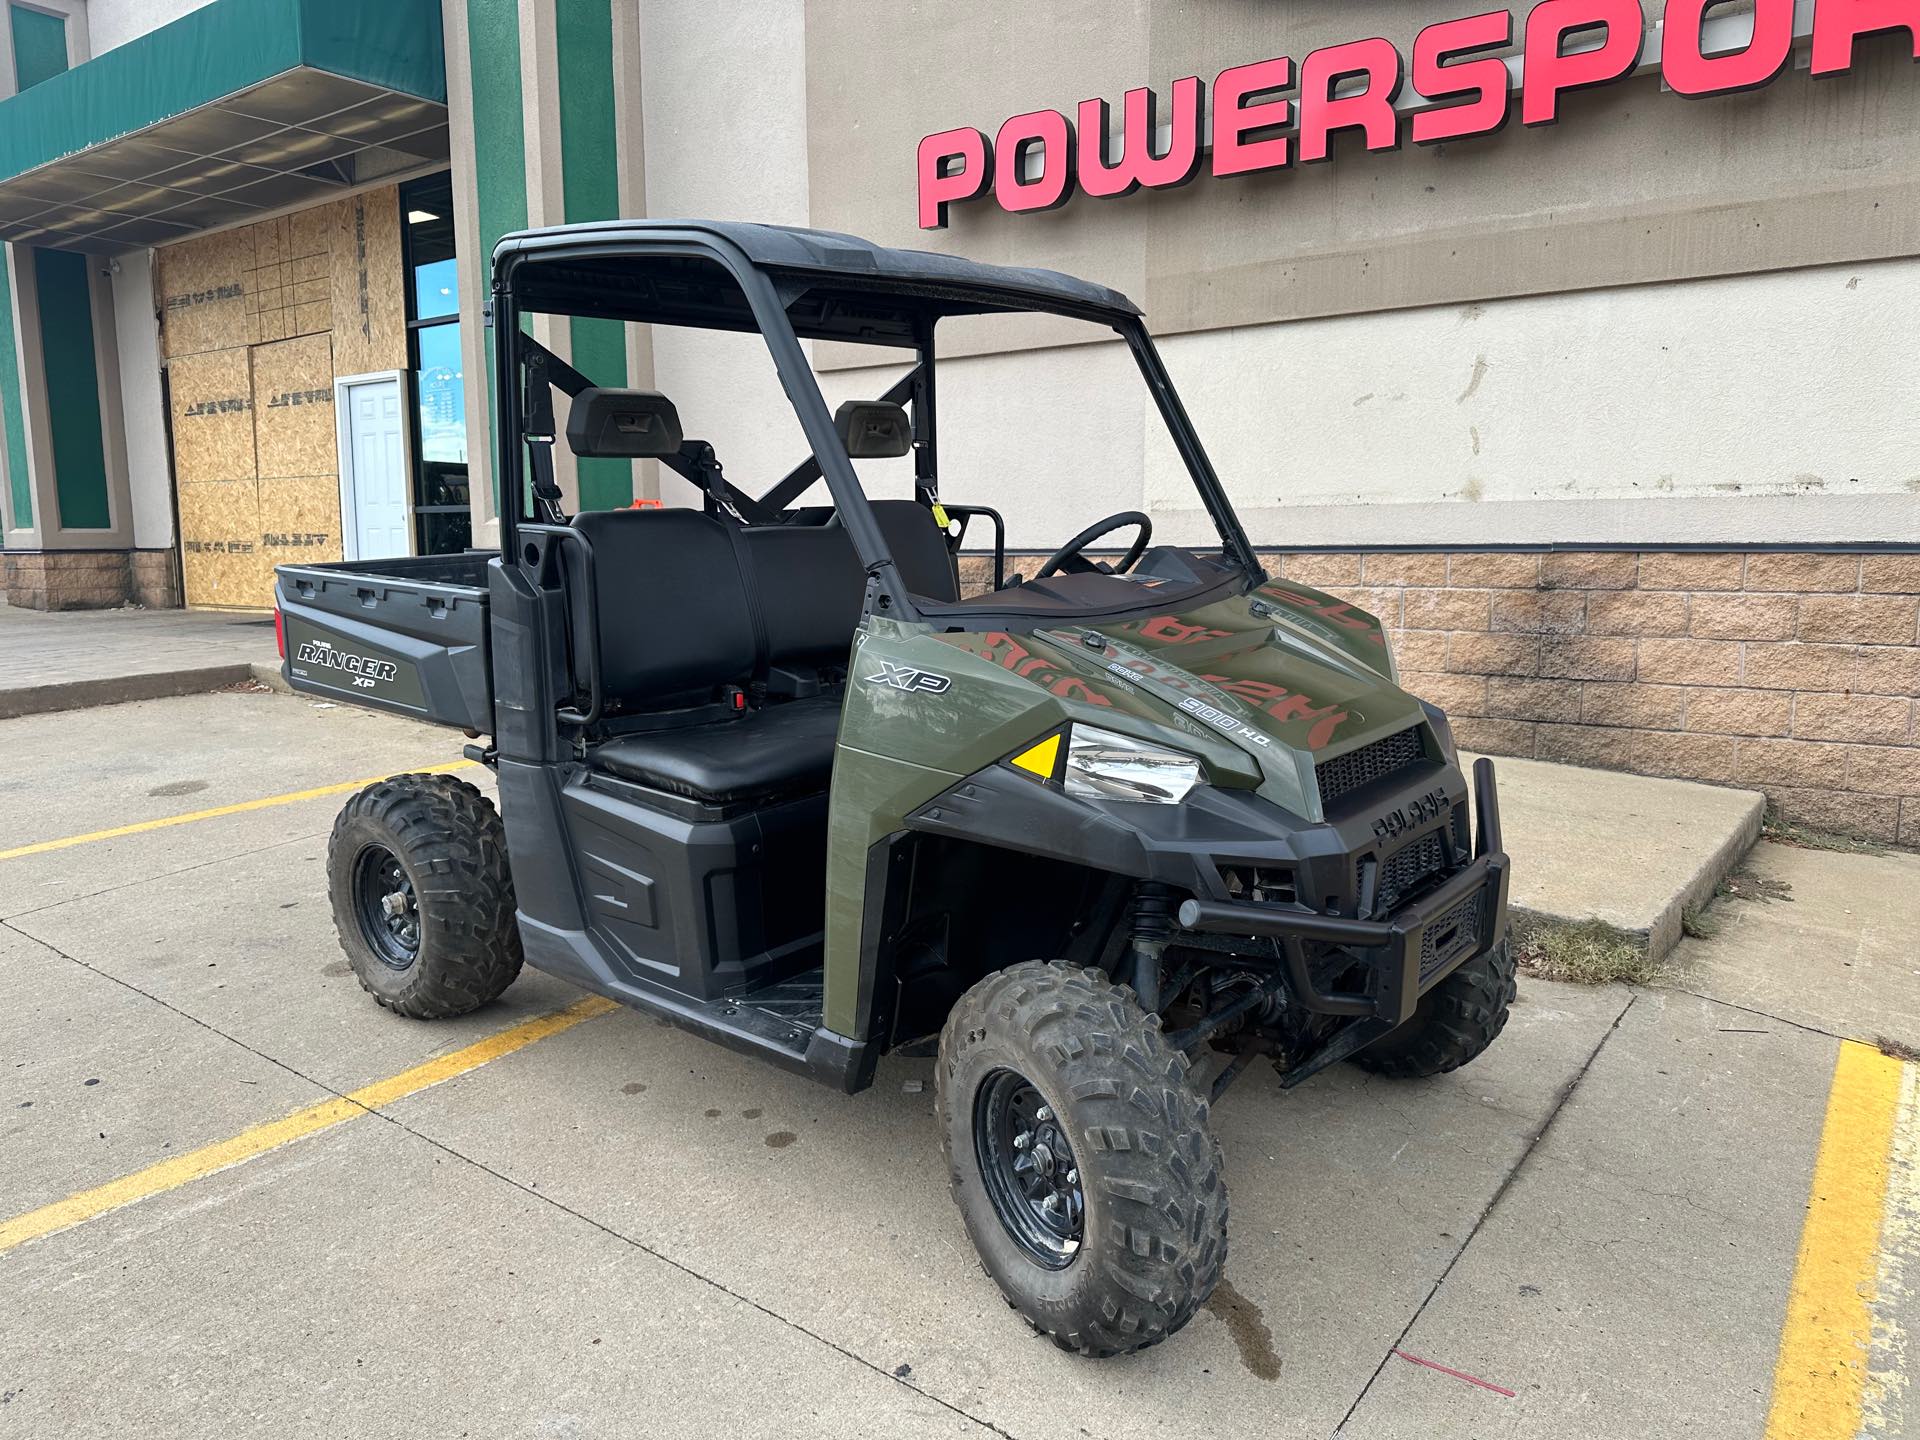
[1403, 871]
[1450, 936]
[1350, 771]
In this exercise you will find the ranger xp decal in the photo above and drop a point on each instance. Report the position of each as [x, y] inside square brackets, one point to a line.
[905, 677]
[364, 668]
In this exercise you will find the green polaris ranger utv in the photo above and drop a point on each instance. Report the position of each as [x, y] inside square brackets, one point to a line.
[1101, 835]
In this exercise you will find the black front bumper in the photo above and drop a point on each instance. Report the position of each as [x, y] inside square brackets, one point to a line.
[1407, 953]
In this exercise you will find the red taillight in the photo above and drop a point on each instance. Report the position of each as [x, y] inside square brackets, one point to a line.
[280, 631]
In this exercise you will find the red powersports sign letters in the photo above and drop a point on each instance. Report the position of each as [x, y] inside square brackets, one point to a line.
[1033, 163]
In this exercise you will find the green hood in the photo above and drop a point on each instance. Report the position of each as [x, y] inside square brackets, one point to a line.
[1288, 675]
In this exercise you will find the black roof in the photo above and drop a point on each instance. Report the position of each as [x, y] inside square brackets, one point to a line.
[827, 252]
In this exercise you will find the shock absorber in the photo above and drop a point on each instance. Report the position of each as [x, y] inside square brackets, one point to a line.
[1152, 921]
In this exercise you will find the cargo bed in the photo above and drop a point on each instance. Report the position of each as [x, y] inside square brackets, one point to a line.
[407, 635]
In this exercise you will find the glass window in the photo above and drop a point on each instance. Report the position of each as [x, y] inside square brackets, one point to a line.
[440, 489]
[433, 292]
[442, 395]
[429, 214]
[39, 46]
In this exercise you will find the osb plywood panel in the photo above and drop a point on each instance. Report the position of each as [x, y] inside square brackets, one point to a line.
[310, 231]
[212, 397]
[203, 292]
[221, 560]
[288, 290]
[257, 323]
[300, 519]
[293, 408]
[369, 303]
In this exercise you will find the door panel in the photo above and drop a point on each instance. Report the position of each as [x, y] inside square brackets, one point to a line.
[374, 421]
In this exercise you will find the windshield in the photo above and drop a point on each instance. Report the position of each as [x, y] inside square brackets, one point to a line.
[1015, 461]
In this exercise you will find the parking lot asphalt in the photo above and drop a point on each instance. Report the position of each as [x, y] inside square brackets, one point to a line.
[237, 1198]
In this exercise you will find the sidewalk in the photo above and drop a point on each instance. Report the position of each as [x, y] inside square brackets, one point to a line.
[68, 659]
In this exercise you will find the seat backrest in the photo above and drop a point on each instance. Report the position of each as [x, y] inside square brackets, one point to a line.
[810, 586]
[668, 600]
[919, 549]
[673, 609]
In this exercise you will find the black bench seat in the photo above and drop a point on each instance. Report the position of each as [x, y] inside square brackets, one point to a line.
[767, 753]
[685, 609]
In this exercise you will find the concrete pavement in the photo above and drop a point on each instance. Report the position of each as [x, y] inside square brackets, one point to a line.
[66, 659]
[1591, 1231]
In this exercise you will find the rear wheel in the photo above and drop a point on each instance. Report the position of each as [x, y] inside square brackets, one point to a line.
[422, 898]
[1080, 1158]
[1453, 1024]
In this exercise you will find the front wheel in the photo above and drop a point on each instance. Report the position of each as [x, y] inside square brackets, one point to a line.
[422, 898]
[1080, 1158]
[1453, 1024]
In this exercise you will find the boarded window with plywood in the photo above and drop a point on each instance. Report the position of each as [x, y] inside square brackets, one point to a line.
[256, 324]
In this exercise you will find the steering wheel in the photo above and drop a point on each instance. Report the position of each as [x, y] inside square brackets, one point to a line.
[1068, 556]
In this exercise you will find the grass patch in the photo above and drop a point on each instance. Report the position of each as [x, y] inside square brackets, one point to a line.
[1897, 1049]
[1589, 953]
[1697, 924]
[1804, 837]
[1745, 885]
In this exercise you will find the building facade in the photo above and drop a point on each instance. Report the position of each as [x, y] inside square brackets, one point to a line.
[1580, 341]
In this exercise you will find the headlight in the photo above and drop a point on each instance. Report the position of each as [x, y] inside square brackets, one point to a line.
[1104, 766]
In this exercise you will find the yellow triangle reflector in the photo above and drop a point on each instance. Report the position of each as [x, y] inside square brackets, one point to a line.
[1038, 760]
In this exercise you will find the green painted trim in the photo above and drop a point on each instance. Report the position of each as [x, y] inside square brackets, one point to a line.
[395, 44]
[39, 46]
[600, 353]
[13, 423]
[499, 146]
[73, 389]
[217, 51]
[590, 190]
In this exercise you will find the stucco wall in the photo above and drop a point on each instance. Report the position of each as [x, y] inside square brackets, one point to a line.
[1661, 320]
[724, 115]
[1731, 410]
[150, 483]
[114, 22]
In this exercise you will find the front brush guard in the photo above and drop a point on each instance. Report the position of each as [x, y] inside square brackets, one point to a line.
[1392, 949]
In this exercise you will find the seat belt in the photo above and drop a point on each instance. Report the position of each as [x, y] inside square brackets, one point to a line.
[538, 431]
[756, 613]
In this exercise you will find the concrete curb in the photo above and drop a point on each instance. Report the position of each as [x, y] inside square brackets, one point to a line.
[120, 689]
[268, 674]
[1701, 885]
[1631, 851]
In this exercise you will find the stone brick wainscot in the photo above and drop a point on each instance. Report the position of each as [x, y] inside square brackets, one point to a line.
[1792, 673]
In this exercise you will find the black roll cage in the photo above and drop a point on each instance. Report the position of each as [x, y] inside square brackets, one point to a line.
[526, 416]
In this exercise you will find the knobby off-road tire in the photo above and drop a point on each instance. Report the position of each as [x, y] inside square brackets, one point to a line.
[1454, 1022]
[1154, 1229]
[438, 843]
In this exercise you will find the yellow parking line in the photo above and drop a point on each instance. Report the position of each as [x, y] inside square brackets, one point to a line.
[1820, 1378]
[139, 827]
[196, 1164]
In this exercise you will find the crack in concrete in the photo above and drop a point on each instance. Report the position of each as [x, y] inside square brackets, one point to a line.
[1762, 1014]
[1486, 1213]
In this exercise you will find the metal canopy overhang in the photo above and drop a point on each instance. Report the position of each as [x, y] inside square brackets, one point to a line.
[240, 108]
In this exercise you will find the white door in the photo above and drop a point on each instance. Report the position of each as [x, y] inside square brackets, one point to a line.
[379, 465]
